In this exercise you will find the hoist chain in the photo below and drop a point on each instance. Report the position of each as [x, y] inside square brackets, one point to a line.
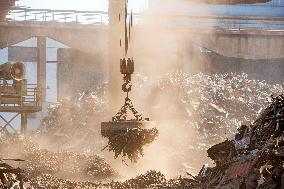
[127, 69]
[122, 113]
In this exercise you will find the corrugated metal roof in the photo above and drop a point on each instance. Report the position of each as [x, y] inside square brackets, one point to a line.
[240, 169]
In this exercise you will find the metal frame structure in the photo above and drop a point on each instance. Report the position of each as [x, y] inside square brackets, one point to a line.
[102, 18]
[30, 102]
[62, 16]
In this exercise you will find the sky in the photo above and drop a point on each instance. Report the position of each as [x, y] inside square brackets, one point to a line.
[89, 5]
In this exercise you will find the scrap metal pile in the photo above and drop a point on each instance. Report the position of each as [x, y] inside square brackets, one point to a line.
[11, 177]
[64, 164]
[74, 123]
[211, 105]
[154, 179]
[215, 105]
[256, 159]
[151, 179]
[47, 181]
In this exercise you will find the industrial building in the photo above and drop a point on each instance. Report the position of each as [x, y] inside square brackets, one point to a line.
[205, 68]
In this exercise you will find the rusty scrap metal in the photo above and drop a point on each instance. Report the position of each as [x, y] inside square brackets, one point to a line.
[263, 158]
[41, 161]
[225, 101]
[130, 143]
[11, 177]
[151, 179]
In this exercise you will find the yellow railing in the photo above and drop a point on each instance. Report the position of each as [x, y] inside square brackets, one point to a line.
[28, 95]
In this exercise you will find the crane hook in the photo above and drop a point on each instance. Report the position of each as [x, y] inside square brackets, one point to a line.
[126, 87]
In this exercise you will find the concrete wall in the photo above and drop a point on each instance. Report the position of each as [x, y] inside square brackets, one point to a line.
[247, 44]
[270, 70]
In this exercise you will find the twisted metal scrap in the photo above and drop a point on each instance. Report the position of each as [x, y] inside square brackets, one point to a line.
[151, 179]
[40, 161]
[129, 143]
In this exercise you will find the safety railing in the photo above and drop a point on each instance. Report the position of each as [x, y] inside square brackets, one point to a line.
[167, 20]
[33, 95]
[60, 16]
[28, 96]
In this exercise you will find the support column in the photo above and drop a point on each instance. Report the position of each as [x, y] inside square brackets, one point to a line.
[24, 123]
[41, 65]
[116, 52]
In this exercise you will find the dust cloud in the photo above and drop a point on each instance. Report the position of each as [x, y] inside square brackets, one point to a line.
[160, 48]
[157, 48]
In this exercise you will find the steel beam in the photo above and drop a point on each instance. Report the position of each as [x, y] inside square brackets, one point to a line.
[24, 123]
[8, 123]
[116, 50]
[41, 65]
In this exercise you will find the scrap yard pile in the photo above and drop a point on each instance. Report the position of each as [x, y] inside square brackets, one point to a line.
[254, 159]
[151, 179]
[215, 105]
[212, 108]
[10, 177]
[37, 162]
[74, 123]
